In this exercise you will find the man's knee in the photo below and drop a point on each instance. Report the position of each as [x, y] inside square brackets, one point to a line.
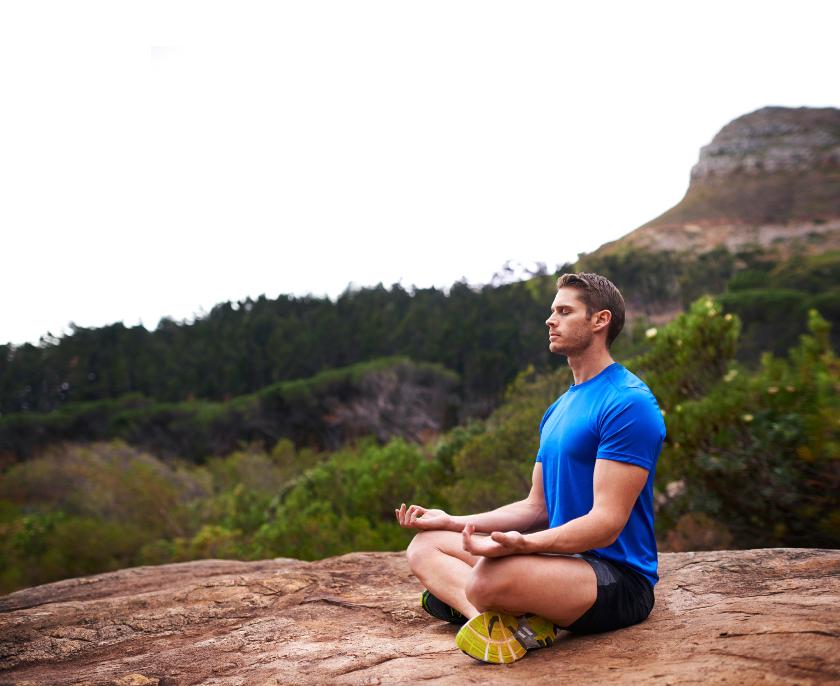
[422, 545]
[488, 584]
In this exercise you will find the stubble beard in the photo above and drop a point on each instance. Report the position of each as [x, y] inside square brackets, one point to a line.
[570, 348]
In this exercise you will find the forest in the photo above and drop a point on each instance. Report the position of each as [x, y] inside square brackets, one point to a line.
[265, 369]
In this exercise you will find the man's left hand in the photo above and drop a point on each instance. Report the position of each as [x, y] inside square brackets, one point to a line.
[497, 544]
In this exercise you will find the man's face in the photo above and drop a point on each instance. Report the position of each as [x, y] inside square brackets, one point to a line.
[569, 329]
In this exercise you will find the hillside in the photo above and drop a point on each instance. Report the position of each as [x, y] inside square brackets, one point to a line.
[385, 398]
[768, 178]
[485, 335]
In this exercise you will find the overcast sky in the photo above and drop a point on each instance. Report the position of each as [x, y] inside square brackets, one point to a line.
[157, 158]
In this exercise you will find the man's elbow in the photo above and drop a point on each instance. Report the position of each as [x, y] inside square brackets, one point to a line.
[539, 514]
[610, 527]
[612, 538]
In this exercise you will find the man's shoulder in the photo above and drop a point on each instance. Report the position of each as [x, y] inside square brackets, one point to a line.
[629, 392]
[626, 384]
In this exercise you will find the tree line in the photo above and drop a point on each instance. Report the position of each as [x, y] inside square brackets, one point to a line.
[486, 335]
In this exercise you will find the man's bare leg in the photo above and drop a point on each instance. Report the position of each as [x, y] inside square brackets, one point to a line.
[439, 560]
[558, 587]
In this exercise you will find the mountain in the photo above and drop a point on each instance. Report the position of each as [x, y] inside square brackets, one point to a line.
[770, 178]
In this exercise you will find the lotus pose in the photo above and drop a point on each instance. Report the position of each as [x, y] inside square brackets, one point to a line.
[578, 553]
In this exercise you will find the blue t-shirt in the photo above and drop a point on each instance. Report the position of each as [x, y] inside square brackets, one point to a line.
[612, 416]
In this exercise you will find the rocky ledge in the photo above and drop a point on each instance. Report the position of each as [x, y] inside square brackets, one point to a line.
[768, 616]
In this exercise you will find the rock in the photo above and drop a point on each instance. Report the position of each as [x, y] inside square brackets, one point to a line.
[769, 178]
[773, 139]
[738, 617]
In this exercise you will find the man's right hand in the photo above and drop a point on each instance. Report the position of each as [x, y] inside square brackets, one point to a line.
[416, 517]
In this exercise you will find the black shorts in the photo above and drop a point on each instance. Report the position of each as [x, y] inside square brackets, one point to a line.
[625, 597]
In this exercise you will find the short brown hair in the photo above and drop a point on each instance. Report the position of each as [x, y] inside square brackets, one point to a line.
[597, 293]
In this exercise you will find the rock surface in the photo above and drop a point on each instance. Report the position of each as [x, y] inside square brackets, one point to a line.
[770, 616]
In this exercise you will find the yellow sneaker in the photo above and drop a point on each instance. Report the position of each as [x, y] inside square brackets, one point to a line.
[501, 638]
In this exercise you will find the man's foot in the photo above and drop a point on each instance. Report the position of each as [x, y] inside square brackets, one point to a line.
[500, 638]
[440, 610]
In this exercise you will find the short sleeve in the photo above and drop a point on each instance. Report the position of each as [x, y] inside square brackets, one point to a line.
[632, 431]
[542, 424]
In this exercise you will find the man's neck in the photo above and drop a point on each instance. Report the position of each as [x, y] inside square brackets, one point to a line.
[589, 364]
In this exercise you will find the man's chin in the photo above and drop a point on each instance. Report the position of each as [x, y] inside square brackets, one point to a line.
[559, 349]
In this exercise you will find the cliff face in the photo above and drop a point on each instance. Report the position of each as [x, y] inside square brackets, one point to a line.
[749, 616]
[772, 140]
[771, 177]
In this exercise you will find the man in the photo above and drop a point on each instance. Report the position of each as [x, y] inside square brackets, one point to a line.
[579, 552]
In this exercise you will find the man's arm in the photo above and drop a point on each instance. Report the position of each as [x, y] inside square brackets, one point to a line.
[523, 515]
[616, 487]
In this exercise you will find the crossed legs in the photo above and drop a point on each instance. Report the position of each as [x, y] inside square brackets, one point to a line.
[558, 587]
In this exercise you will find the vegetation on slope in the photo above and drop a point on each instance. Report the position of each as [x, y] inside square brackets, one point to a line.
[751, 460]
[301, 410]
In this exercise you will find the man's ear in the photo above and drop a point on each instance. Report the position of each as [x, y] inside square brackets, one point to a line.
[601, 320]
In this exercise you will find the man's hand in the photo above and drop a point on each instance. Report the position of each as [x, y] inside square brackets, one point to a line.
[416, 517]
[497, 544]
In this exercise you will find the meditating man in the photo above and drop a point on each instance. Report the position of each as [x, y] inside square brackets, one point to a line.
[578, 553]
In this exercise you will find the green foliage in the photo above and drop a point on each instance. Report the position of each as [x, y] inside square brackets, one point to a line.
[812, 273]
[196, 429]
[78, 510]
[347, 502]
[757, 452]
[769, 293]
[690, 354]
[773, 318]
[485, 335]
[86, 509]
[653, 281]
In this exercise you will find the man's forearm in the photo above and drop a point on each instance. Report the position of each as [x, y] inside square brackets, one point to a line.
[521, 516]
[592, 530]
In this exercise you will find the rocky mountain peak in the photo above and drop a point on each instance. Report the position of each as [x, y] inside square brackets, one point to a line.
[770, 178]
[772, 139]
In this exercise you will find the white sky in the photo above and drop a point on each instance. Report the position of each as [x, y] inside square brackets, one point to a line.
[157, 158]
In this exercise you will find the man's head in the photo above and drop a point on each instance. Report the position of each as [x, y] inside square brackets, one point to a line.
[586, 306]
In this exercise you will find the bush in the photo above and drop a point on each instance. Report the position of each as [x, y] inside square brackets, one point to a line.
[758, 452]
